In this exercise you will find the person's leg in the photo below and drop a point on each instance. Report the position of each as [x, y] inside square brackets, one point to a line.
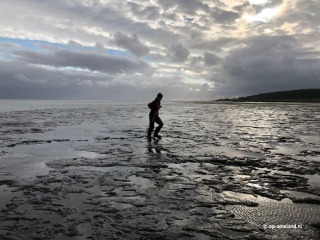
[151, 126]
[158, 120]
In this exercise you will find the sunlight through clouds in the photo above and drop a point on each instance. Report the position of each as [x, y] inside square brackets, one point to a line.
[264, 16]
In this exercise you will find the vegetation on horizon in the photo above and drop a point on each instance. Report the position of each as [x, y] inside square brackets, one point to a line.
[303, 95]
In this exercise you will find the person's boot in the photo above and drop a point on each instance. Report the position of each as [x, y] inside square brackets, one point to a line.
[156, 135]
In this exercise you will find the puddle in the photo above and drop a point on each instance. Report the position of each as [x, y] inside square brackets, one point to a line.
[299, 195]
[311, 138]
[142, 182]
[255, 185]
[314, 180]
[242, 176]
[201, 236]
[41, 213]
[90, 155]
[237, 195]
[121, 206]
[114, 170]
[23, 166]
[85, 229]
[229, 152]
[288, 150]
[76, 200]
[137, 198]
[185, 167]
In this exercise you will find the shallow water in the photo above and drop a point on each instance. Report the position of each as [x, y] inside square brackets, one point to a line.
[88, 166]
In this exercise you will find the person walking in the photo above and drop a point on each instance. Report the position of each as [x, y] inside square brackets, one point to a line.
[154, 117]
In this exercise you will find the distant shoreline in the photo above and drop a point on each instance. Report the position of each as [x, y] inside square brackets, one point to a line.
[257, 102]
[269, 101]
[294, 96]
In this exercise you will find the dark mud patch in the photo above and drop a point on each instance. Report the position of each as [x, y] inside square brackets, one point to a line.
[2, 153]
[28, 142]
[309, 153]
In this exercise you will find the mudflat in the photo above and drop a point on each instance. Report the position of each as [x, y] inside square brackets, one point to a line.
[85, 170]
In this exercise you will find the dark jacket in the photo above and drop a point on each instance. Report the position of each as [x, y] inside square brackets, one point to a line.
[154, 106]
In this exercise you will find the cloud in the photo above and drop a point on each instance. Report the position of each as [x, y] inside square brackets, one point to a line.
[85, 60]
[74, 43]
[304, 16]
[20, 80]
[131, 43]
[211, 59]
[224, 17]
[185, 6]
[178, 53]
[216, 44]
[242, 8]
[268, 64]
[146, 12]
[269, 4]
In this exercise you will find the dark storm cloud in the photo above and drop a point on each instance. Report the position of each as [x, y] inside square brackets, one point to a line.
[211, 59]
[131, 43]
[178, 53]
[91, 61]
[269, 63]
[20, 80]
[22, 72]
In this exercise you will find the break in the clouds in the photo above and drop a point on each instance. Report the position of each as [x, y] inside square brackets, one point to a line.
[108, 49]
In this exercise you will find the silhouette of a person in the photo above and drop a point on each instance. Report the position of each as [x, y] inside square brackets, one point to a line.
[154, 117]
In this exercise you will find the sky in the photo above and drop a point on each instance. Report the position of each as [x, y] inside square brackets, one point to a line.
[185, 49]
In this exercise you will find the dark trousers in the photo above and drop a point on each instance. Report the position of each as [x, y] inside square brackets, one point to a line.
[151, 124]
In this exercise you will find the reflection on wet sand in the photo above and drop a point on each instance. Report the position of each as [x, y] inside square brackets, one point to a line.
[154, 147]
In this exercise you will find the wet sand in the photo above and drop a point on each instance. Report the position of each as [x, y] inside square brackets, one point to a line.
[222, 171]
